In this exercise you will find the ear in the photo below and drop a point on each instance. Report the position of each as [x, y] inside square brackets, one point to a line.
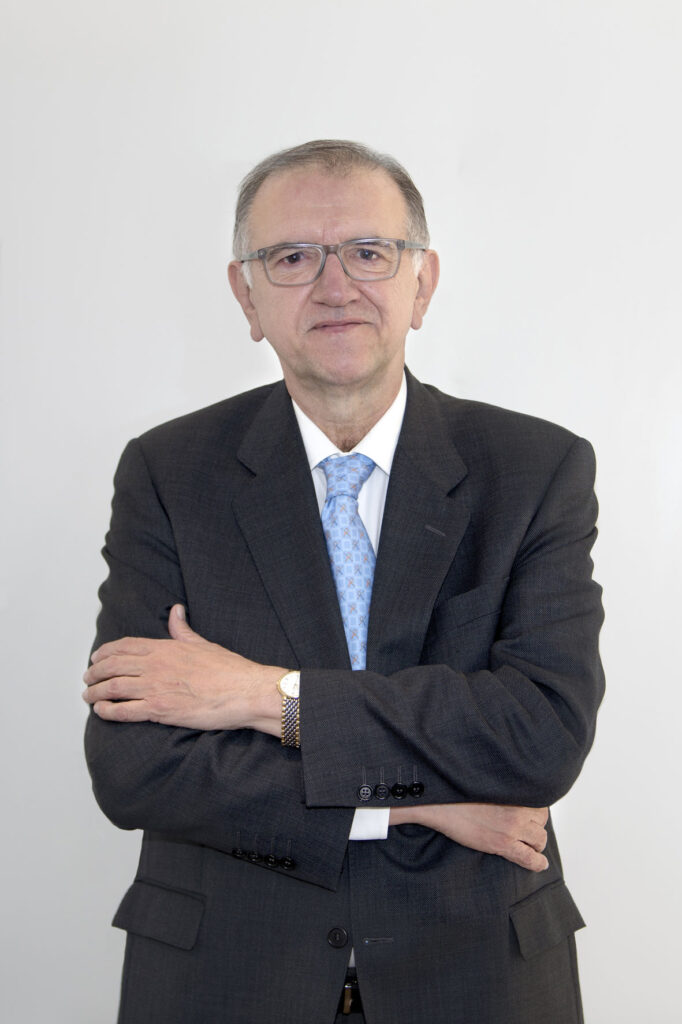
[427, 279]
[242, 293]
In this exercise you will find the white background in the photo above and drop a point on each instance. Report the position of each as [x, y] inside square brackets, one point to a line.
[545, 137]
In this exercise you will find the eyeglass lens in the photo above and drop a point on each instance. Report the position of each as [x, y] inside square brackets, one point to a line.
[363, 261]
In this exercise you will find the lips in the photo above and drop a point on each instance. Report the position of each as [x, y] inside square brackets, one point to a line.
[335, 325]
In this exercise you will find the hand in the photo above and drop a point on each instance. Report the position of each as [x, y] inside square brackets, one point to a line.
[185, 681]
[515, 833]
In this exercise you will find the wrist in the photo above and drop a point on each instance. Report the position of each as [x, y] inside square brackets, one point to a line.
[405, 815]
[264, 702]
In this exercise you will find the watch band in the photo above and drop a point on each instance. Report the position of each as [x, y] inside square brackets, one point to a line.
[291, 730]
[290, 722]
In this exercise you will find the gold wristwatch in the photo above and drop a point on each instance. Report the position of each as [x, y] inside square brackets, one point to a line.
[289, 686]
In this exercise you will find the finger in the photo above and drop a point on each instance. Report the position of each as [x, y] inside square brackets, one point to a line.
[178, 626]
[114, 665]
[125, 711]
[119, 688]
[534, 835]
[525, 856]
[126, 645]
[540, 814]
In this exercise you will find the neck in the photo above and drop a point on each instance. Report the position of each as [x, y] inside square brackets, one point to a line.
[346, 416]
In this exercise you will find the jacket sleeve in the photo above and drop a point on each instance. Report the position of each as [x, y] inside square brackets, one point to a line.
[503, 707]
[232, 791]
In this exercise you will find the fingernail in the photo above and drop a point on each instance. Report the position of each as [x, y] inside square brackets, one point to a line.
[181, 612]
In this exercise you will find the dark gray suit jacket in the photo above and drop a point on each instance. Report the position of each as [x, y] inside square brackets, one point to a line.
[482, 684]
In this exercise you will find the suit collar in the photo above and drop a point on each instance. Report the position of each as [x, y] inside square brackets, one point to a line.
[274, 423]
[425, 438]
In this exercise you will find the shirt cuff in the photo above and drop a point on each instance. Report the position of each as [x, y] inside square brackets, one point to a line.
[370, 823]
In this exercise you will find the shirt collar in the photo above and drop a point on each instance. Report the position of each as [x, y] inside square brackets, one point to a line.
[378, 445]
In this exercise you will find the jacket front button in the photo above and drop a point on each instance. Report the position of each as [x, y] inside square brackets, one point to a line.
[338, 938]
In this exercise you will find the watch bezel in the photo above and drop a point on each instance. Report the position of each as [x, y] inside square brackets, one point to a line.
[290, 685]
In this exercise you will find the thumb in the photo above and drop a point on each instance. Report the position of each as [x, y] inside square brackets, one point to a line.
[178, 626]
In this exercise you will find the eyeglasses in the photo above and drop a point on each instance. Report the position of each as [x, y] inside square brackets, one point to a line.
[363, 259]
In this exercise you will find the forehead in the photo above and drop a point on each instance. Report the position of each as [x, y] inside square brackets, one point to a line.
[315, 205]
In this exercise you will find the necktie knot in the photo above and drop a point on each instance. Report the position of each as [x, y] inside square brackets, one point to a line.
[346, 474]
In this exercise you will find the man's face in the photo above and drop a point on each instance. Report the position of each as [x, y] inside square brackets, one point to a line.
[335, 332]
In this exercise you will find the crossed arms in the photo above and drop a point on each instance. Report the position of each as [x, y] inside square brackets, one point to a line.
[189, 747]
[187, 681]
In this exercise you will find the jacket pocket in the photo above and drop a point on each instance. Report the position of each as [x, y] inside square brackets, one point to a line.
[544, 919]
[463, 628]
[156, 912]
[460, 609]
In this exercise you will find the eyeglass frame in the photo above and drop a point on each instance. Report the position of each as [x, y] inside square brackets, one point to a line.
[327, 250]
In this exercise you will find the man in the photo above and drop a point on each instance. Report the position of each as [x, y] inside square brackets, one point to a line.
[344, 804]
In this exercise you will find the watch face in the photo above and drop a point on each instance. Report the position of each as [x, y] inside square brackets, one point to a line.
[291, 684]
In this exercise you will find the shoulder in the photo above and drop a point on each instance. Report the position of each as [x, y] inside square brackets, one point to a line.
[228, 418]
[492, 437]
[201, 434]
[195, 444]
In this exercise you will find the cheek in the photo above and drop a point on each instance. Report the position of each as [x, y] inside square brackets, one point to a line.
[398, 312]
[278, 317]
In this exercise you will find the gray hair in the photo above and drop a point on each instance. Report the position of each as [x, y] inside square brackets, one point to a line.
[336, 156]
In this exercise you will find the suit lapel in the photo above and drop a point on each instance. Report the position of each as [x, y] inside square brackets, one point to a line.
[279, 519]
[423, 524]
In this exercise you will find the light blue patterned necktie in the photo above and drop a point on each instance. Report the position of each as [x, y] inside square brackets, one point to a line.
[350, 550]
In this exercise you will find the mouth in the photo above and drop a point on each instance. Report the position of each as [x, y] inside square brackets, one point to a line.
[336, 325]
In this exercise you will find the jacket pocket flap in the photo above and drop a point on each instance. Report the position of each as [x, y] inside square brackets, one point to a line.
[158, 913]
[478, 603]
[545, 919]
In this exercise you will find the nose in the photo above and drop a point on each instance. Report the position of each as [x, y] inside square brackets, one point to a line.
[334, 287]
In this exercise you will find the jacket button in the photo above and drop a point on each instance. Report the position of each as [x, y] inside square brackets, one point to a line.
[238, 852]
[382, 792]
[287, 863]
[254, 856]
[365, 793]
[338, 938]
[417, 789]
[399, 791]
[271, 860]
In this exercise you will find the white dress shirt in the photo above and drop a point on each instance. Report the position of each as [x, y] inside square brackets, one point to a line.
[378, 445]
